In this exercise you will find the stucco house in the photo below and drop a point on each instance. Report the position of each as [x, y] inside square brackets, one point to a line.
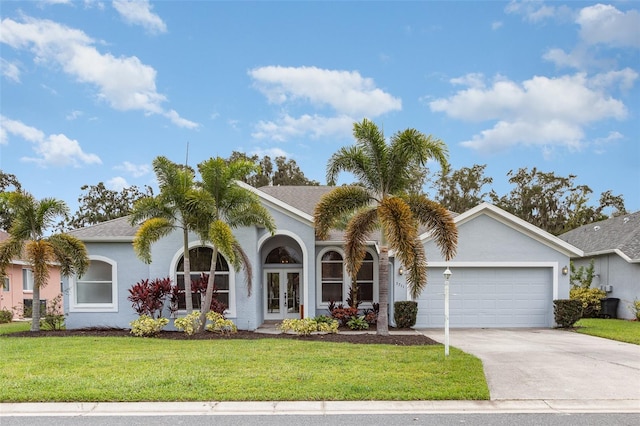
[16, 294]
[614, 246]
[506, 274]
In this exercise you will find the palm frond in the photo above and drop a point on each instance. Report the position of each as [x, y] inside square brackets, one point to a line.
[39, 254]
[359, 228]
[370, 139]
[70, 253]
[10, 249]
[221, 236]
[438, 220]
[149, 232]
[335, 204]
[245, 264]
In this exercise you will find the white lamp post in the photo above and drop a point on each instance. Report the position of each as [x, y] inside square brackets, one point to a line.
[447, 275]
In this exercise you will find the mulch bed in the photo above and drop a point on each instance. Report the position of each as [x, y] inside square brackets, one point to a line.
[393, 339]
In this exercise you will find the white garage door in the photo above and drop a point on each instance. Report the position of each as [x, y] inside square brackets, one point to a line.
[489, 297]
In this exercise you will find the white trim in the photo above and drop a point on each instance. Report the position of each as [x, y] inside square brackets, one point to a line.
[305, 262]
[451, 265]
[612, 251]
[515, 223]
[96, 307]
[346, 282]
[231, 309]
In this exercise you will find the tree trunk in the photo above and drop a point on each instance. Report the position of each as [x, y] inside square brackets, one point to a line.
[188, 298]
[383, 289]
[208, 296]
[35, 308]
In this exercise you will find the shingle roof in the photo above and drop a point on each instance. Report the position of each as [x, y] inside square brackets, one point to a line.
[303, 198]
[115, 229]
[620, 233]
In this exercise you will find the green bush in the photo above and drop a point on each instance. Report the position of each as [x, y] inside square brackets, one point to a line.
[219, 324]
[589, 298]
[405, 313]
[145, 326]
[567, 312]
[53, 318]
[306, 326]
[358, 323]
[5, 316]
[189, 324]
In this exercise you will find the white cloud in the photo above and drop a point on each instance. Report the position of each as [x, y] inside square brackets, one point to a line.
[604, 24]
[10, 70]
[345, 91]
[495, 25]
[179, 121]
[73, 115]
[287, 127]
[539, 111]
[124, 83]
[536, 11]
[138, 12]
[54, 150]
[117, 183]
[349, 95]
[136, 170]
[271, 152]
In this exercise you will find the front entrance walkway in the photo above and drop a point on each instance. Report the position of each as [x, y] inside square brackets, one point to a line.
[550, 363]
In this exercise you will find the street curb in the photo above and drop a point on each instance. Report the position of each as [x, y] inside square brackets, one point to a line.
[315, 407]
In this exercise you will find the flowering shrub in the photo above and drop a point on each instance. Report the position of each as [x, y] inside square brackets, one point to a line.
[590, 299]
[189, 324]
[635, 308]
[306, 326]
[145, 326]
[219, 324]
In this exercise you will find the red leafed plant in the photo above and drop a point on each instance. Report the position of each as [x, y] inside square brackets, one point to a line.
[148, 297]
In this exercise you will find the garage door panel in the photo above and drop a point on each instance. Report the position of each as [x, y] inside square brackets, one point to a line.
[489, 297]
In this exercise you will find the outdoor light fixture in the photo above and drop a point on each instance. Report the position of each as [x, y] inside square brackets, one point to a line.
[400, 271]
[565, 270]
[447, 275]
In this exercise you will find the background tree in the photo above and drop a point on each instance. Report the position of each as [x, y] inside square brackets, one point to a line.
[553, 203]
[462, 189]
[168, 211]
[227, 205]
[7, 181]
[287, 171]
[382, 200]
[100, 204]
[27, 240]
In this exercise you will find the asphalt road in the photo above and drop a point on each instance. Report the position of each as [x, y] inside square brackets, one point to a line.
[540, 419]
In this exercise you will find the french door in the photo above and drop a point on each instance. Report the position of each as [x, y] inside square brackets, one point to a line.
[282, 293]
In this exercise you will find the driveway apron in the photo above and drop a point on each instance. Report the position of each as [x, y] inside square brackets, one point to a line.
[550, 363]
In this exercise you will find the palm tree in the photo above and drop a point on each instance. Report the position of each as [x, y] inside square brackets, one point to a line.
[382, 200]
[229, 205]
[31, 219]
[166, 212]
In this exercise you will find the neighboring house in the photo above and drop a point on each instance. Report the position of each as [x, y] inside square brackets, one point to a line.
[16, 294]
[614, 246]
[506, 274]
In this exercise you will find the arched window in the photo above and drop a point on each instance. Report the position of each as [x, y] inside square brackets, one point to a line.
[97, 289]
[332, 276]
[200, 263]
[283, 255]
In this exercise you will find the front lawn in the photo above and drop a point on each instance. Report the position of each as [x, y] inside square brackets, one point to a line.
[614, 329]
[138, 369]
[14, 327]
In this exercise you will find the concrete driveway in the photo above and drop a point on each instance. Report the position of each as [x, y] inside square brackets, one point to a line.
[550, 363]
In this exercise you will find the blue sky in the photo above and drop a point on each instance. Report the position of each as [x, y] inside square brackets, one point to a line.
[92, 91]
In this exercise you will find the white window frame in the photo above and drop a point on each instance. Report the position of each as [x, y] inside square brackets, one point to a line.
[6, 283]
[346, 283]
[27, 280]
[230, 312]
[74, 306]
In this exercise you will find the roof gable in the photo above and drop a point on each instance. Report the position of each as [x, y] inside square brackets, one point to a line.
[114, 230]
[620, 235]
[515, 223]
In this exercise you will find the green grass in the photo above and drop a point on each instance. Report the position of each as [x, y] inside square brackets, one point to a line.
[137, 369]
[614, 329]
[14, 327]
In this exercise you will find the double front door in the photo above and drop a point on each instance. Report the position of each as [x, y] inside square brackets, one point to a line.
[282, 293]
